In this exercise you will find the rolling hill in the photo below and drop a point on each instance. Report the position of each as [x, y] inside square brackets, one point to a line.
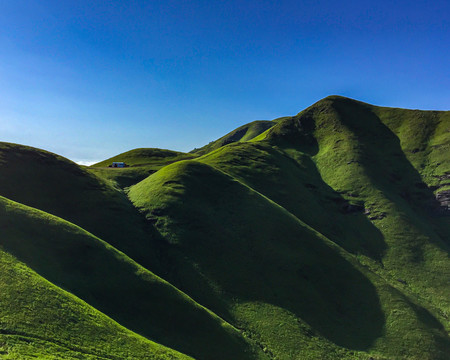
[324, 235]
[140, 164]
[107, 279]
[243, 133]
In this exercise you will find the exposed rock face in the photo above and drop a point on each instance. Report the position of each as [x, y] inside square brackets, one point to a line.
[374, 216]
[378, 216]
[443, 197]
[349, 208]
[442, 177]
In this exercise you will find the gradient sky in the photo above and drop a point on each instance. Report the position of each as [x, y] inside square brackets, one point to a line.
[91, 79]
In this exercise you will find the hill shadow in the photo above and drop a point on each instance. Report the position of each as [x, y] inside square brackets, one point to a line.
[289, 177]
[385, 163]
[250, 250]
[254, 251]
[341, 219]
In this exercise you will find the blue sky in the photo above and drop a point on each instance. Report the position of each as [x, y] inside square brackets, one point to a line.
[91, 79]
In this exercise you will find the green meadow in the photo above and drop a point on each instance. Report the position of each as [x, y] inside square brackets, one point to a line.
[324, 235]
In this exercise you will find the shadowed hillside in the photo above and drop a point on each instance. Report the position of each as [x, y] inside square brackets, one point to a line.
[60, 187]
[269, 261]
[111, 282]
[40, 319]
[357, 155]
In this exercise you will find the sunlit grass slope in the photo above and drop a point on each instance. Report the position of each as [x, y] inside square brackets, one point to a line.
[72, 258]
[355, 225]
[359, 157]
[292, 290]
[300, 189]
[243, 133]
[142, 162]
[424, 138]
[40, 320]
[51, 183]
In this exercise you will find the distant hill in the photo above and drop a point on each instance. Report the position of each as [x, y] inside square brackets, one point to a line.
[243, 133]
[140, 164]
[324, 235]
[146, 156]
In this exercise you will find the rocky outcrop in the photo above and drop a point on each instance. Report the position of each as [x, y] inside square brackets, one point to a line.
[443, 197]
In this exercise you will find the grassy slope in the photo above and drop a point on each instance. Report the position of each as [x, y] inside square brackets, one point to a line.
[111, 282]
[361, 163]
[300, 190]
[143, 162]
[290, 288]
[243, 133]
[424, 138]
[358, 155]
[60, 187]
[146, 156]
[40, 320]
[124, 177]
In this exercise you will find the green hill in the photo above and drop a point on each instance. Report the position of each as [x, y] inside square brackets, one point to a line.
[60, 187]
[41, 320]
[353, 168]
[324, 235]
[111, 282]
[145, 156]
[243, 133]
[296, 292]
[360, 157]
[140, 164]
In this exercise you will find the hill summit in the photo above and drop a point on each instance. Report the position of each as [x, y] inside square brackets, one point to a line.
[324, 235]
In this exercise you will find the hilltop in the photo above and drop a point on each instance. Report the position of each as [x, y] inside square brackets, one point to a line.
[243, 133]
[324, 235]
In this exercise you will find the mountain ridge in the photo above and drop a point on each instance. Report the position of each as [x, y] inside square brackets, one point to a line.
[323, 235]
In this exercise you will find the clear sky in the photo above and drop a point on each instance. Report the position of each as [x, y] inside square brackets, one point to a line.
[91, 79]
